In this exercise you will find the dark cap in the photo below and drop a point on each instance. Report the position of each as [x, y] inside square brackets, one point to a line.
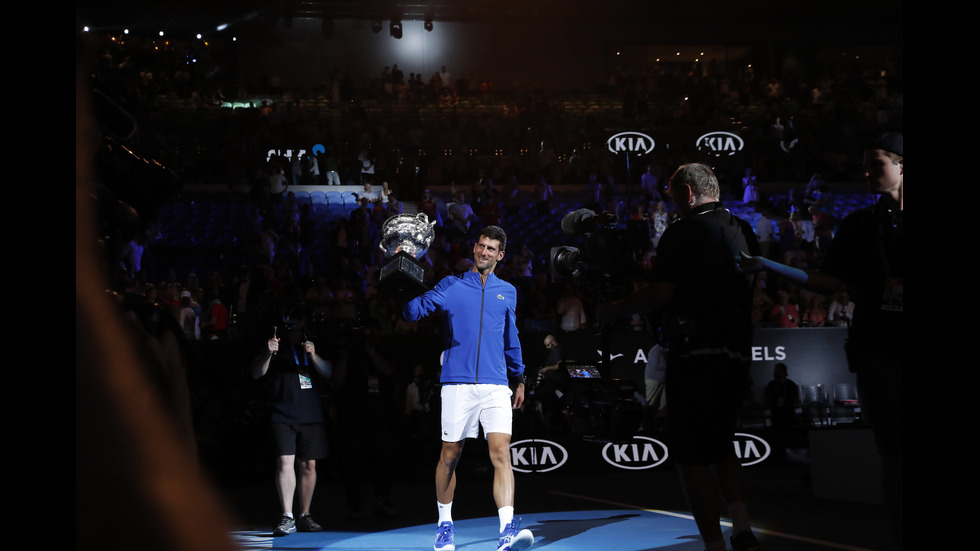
[890, 142]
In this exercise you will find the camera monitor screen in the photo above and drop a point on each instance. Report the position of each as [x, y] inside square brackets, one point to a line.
[583, 371]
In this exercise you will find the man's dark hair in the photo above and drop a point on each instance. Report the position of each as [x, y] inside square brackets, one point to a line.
[497, 233]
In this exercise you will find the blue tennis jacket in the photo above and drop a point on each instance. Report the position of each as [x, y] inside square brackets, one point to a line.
[479, 328]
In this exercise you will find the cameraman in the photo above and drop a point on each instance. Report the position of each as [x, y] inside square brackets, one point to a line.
[704, 303]
[292, 369]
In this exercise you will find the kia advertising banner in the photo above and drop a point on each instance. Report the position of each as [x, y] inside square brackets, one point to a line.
[568, 454]
[814, 356]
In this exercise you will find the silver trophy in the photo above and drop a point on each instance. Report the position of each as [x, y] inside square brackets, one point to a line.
[404, 239]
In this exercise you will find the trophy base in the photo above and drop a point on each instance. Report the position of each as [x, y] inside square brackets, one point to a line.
[402, 278]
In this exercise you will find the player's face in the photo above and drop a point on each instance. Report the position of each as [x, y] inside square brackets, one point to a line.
[486, 254]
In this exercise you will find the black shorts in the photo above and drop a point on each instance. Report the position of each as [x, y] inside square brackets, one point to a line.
[703, 397]
[882, 396]
[308, 441]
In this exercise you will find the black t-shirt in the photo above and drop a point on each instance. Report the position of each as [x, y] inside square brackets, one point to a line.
[712, 300]
[294, 387]
[867, 254]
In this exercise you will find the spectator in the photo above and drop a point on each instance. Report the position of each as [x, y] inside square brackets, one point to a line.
[570, 309]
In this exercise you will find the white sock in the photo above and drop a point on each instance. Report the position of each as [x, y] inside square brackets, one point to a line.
[506, 515]
[445, 512]
[290, 515]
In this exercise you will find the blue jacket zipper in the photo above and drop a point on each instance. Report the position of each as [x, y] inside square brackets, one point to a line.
[479, 342]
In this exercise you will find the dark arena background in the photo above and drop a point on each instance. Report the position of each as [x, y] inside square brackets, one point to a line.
[220, 149]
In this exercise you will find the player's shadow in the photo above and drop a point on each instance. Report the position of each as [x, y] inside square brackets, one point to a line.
[556, 530]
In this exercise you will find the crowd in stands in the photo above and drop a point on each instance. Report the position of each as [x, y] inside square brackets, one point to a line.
[521, 179]
[419, 140]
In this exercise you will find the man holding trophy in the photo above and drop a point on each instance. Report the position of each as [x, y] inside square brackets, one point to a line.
[481, 362]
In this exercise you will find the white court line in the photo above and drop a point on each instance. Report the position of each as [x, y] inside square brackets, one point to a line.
[689, 517]
[252, 540]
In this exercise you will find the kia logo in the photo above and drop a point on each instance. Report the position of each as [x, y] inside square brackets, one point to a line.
[536, 456]
[630, 142]
[641, 453]
[750, 449]
[720, 143]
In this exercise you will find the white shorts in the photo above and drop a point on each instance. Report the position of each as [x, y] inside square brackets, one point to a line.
[466, 407]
